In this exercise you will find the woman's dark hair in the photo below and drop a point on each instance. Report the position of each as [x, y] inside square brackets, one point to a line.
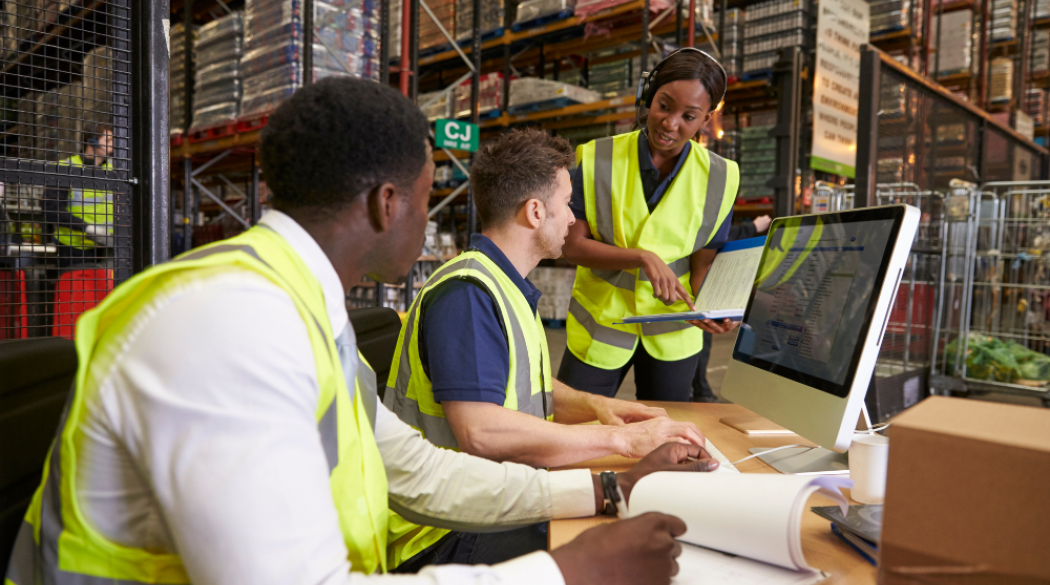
[693, 65]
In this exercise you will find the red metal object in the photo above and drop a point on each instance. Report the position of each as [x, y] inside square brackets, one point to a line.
[212, 132]
[176, 140]
[406, 33]
[14, 313]
[691, 38]
[252, 123]
[76, 292]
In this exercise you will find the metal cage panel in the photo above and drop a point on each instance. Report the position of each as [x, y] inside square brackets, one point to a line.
[65, 161]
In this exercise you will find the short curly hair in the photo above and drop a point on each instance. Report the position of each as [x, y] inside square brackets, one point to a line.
[521, 165]
[338, 138]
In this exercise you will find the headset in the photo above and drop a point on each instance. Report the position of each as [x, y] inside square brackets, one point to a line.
[647, 88]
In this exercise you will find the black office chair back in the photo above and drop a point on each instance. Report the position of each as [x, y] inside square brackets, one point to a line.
[377, 329]
[35, 378]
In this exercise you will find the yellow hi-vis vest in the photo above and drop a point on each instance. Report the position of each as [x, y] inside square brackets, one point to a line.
[58, 545]
[787, 252]
[410, 394]
[91, 206]
[698, 200]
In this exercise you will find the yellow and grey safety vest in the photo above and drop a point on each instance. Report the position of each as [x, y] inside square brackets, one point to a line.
[90, 205]
[696, 203]
[57, 544]
[786, 253]
[410, 393]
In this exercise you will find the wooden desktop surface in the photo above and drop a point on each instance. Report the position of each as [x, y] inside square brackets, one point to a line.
[823, 549]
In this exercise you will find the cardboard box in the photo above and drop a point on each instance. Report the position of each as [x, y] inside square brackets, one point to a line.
[966, 495]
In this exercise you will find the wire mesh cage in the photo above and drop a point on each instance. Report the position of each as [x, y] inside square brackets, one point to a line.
[1006, 346]
[65, 203]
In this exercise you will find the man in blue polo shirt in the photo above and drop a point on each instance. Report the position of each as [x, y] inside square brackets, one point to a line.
[472, 371]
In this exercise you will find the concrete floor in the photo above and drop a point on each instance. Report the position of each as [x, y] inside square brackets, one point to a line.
[716, 370]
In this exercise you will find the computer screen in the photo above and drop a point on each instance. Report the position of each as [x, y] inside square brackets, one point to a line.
[815, 294]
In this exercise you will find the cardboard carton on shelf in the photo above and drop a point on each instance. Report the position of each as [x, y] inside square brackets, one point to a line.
[966, 495]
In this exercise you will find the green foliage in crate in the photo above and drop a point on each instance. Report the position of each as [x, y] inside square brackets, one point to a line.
[990, 358]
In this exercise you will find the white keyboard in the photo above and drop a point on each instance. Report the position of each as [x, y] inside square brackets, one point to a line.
[724, 463]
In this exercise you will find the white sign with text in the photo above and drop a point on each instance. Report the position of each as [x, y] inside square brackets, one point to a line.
[842, 27]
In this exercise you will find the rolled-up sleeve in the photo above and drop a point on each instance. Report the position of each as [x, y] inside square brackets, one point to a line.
[438, 487]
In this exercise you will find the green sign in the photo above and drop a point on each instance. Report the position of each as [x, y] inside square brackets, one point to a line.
[833, 167]
[457, 135]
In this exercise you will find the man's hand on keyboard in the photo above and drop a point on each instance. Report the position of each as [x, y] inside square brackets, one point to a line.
[668, 457]
[640, 438]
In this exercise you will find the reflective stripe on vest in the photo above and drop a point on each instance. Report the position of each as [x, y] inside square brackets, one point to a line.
[410, 394]
[409, 383]
[617, 215]
[55, 534]
[89, 205]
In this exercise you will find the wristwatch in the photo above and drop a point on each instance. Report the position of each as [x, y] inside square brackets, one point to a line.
[611, 489]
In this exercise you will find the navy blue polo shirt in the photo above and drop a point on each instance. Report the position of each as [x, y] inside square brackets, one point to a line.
[462, 338]
[653, 185]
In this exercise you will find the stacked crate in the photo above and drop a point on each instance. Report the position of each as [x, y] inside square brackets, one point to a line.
[180, 61]
[611, 78]
[532, 10]
[1001, 88]
[531, 94]
[394, 29]
[492, 14]
[217, 84]
[346, 43]
[1004, 20]
[490, 96]
[1035, 105]
[955, 48]
[430, 36]
[1040, 60]
[733, 35]
[773, 25]
[893, 15]
[758, 157]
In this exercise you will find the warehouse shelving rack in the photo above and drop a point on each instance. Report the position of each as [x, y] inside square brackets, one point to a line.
[46, 51]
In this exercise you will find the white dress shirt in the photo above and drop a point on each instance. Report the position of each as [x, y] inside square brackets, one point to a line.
[202, 441]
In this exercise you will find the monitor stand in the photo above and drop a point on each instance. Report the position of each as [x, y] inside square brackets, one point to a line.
[805, 461]
[812, 460]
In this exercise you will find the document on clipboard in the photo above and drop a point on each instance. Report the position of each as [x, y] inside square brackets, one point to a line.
[727, 287]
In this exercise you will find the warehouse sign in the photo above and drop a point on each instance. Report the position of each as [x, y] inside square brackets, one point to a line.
[457, 135]
[842, 27]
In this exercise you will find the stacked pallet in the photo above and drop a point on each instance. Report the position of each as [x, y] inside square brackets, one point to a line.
[217, 85]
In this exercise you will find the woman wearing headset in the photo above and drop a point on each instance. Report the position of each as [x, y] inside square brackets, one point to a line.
[654, 208]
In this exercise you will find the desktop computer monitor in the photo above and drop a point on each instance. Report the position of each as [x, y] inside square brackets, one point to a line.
[811, 332]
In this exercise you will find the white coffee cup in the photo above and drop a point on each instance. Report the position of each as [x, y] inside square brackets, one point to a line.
[869, 456]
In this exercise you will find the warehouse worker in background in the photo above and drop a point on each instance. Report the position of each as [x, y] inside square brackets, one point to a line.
[654, 207]
[471, 369]
[81, 218]
[702, 391]
[223, 428]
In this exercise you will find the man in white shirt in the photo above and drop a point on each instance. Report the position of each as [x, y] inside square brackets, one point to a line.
[197, 446]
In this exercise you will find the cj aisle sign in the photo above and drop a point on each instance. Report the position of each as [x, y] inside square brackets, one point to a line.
[842, 27]
[457, 135]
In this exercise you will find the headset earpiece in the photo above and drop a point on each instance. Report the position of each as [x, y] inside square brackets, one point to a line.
[647, 90]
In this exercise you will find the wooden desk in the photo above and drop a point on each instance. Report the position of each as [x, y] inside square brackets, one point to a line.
[823, 549]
